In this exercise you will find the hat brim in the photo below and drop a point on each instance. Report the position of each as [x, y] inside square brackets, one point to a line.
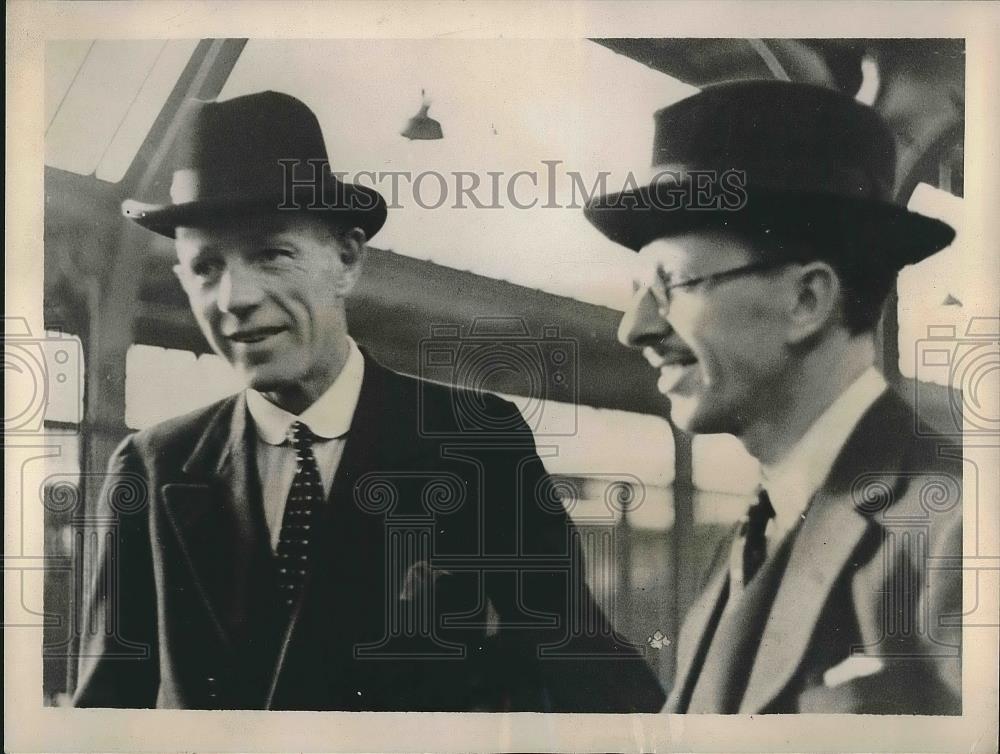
[896, 235]
[357, 206]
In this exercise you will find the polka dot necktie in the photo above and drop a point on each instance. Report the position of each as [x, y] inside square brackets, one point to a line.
[297, 523]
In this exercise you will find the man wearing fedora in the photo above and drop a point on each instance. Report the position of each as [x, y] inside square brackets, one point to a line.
[768, 244]
[283, 547]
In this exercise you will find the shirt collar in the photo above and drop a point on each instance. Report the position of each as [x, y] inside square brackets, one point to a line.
[792, 482]
[328, 417]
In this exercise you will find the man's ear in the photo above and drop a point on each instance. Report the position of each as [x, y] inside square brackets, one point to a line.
[816, 300]
[352, 255]
[353, 247]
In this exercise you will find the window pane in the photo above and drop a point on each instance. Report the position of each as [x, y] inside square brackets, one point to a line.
[64, 376]
[161, 383]
[598, 467]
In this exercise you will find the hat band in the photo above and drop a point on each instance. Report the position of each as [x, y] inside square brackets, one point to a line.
[185, 186]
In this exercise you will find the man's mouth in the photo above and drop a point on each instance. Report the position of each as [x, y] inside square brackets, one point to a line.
[252, 335]
[674, 366]
[673, 358]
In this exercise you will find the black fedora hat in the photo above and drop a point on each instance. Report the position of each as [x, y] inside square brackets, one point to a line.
[772, 155]
[255, 154]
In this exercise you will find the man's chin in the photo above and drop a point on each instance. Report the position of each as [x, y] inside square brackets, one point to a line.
[264, 380]
[684, 415]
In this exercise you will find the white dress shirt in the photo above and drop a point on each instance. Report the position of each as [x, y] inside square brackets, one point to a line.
[329, 418]
[792, 482]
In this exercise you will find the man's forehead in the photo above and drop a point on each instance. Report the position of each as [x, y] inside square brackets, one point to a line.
[248, 229]
[694, 248]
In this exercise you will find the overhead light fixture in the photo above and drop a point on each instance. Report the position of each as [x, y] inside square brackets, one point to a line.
[422, 126]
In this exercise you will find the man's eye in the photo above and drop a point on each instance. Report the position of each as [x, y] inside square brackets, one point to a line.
[206, 267]
[272, 254]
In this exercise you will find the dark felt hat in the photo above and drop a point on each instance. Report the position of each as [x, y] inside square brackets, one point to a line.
[772, 155]
[256, 154]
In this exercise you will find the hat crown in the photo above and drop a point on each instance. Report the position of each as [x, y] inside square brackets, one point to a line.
[807, 160]
[242, 144]
[782, 136]
[256, 154]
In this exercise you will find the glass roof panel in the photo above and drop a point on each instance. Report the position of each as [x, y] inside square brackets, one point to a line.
[148, 103]
[102, 98]
[63, 60]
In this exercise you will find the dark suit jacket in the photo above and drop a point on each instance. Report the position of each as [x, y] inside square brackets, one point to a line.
[444, 580]
[859, 609]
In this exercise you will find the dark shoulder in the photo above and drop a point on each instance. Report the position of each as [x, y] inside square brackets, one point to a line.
[447, 408]
[926, 449]
[181, 433]
[930, 471]
[894, 422]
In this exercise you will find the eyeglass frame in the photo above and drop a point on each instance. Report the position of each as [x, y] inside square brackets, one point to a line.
[661, 292]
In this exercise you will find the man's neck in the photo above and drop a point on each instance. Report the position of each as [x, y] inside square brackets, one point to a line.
[295, 399]
[810, 390]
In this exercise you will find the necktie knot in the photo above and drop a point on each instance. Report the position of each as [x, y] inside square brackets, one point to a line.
[754, 540]
[761, 511]
[301, 437]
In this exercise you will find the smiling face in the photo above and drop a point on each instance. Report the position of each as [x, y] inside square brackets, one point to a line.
[269, 298]
[720, 350]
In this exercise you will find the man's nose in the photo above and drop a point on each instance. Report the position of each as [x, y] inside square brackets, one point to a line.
[642, 324]
[239, 291]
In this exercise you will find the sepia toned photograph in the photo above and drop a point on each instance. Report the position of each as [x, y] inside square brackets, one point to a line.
[652, 377]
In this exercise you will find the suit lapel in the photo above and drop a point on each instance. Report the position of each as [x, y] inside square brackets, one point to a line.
[719, 685]
[833, 528]
[697, 634]
[217, 514]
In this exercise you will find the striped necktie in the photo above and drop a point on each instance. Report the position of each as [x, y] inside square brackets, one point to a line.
[304, 496]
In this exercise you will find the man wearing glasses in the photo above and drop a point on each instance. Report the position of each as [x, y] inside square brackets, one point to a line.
[759, 317]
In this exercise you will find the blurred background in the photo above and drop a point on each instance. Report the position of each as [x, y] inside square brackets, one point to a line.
[123, 351]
